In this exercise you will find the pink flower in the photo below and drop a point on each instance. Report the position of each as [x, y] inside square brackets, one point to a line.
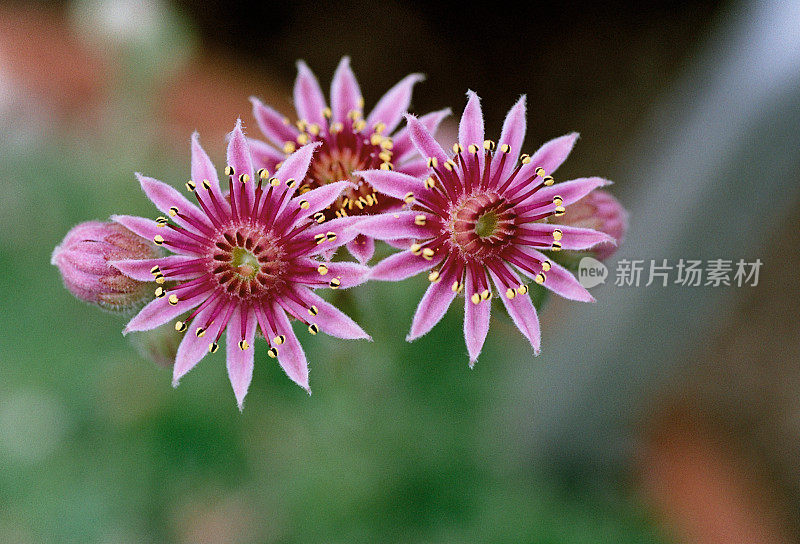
[599, 210]
[349, 142]
[477, 220]
[83, 260]
[242, 261]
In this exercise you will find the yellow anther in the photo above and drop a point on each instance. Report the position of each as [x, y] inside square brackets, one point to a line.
[548, 180]
[313, 329]
[289, 147]
[409, 198]
[359, 125]
[355, 115]
[200, 332]
[160, 292]
[456, 287]
[213, 347]
[155, 270]
[416, 249]
[229, 170]
[427, 254]
[327, 113]
[546, 266]
[274, 181]
[558, 201]
[336, 127]
[430, 183]
[387, 143]
[370, 201]
[540, 277]
[301, 125]
[522, 289]
[505, 148]
[524, 158]
[486, 294]
[313, 129]
[319, 217]
[160, 279]
[302, 139]
[280, 339]
[243, 345]
[557, 234]
[173, 211]
[191, 186]
[510, 293]
[162, 221]
[244, 178]
[556, 246]
[473, 149]
[379, 127]
[304, 204]
[173, 299]
[420, 220]
[158, 239]
[313, 310]
[385, 156]
[559, 211]
[434, 277]
[489, 145]
[375, 139]
[290, 183]
[335, 283]
[540, 172]
[206, 185]
[432, 162]
[387, 166]
[272, 352]
[360, 102]
[180, 326]
[450, 165]
[319, 238]
[330, 236]
[475, 298]
[322, 269]
[457, 148]
[262, 173]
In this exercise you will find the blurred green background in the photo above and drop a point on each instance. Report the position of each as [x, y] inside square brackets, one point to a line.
[398, 442]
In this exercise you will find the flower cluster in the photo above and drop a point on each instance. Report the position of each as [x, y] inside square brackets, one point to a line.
[249, 250]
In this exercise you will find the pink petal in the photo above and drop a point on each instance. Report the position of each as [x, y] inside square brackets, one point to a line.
[329, 319]
[394, 184]
[433, 306]
[402, 148]
[164, 197]
[391, 107]
[139, 269]
[476, 319]
[274, 125]
[290, 354]
[345, 94]
[569, 191]
[550, 156]
[558, 279]
[159, 311]
[514, 135]
[308, 98]
[415, 168]
[394, 225]
[572, 237]
[424, 141]
[203, 169]
[403, 265]
[521, 310]
[240, 361]
[470, 129]
[148, 228]
[193, 348]
[362, 248]
[264, 155]
[239, 157]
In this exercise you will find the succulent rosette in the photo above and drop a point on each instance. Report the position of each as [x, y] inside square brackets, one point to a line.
[349, 141]
[481, 219]
[243, 260]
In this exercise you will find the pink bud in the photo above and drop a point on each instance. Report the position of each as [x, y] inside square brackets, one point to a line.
[600, 211]
[83, 256]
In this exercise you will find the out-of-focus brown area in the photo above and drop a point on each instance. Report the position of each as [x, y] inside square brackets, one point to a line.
[722, 446]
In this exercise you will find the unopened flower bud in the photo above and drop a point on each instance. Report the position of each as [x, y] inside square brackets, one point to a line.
[599, 211]
[83, 257]
[160, 345]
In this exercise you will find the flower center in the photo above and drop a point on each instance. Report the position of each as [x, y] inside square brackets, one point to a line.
[247, 263]
[345, 149]
[481, 225]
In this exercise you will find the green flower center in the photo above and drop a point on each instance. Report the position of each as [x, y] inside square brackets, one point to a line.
[486, 224]
[244, 263]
